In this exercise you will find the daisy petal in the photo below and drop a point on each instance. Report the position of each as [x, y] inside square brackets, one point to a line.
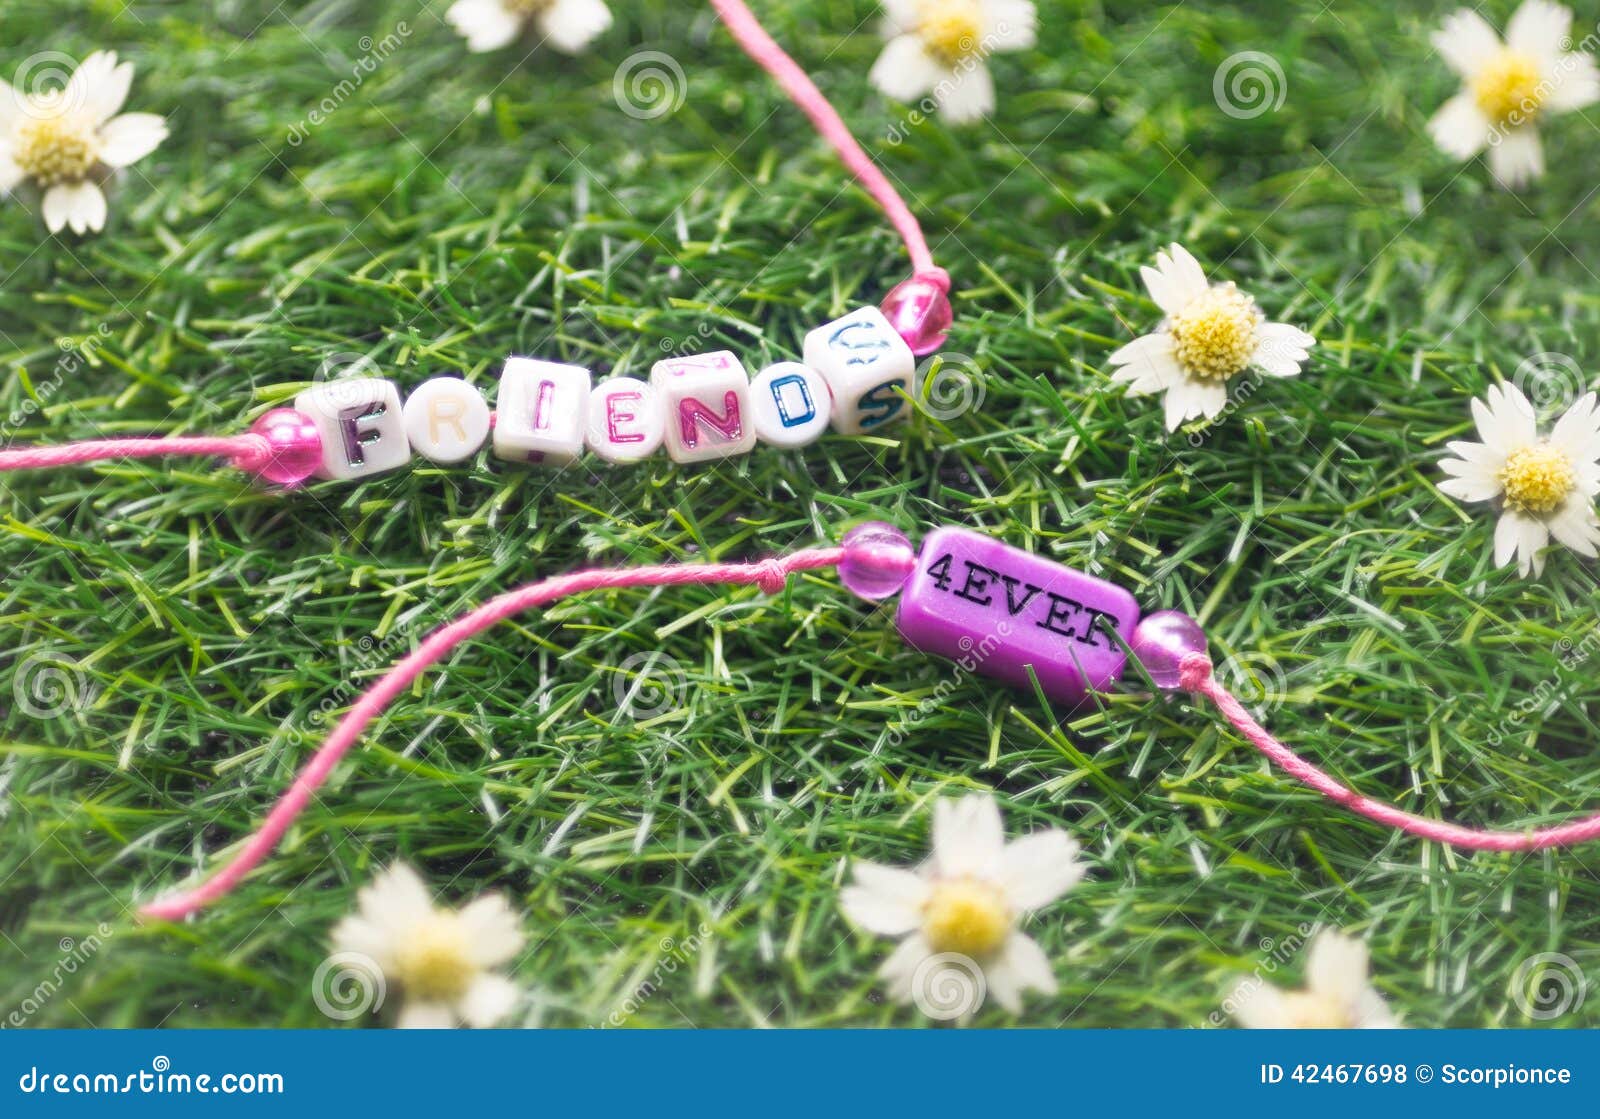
[1518, 159]
[1372, 1013]
[571, 25]
[80, 207]
[425, 1016]
[486, 25]
[1186, 280]
[1574, 83]
[494, 930]
[899, 970]
[99, 86]
[1470, 488]
[1577, 432]
[1038, 868]
[397, 899]
[1256, 1005]
[488, 1001]
[884, 900]
[364, 938]
[1575, 526]
[905, 71]
[1028, 964]
[1466, 41]
[10, 173]
[1336, 966]
[1460, 128]
[1505, 419]
[968, 837]
[970, 97]
[1539, 28]
[130, 137]
[1009, 25]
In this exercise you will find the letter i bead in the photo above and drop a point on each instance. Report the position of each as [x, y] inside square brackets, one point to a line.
[541, 411]
[706, 399]
[626, 423]
[359, 420]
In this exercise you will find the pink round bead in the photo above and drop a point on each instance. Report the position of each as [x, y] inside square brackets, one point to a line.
[296, 447]
[919, 311]
[1160, 641]
[878, 559]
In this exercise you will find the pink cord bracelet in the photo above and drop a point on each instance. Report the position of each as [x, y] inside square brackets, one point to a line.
[995, 610]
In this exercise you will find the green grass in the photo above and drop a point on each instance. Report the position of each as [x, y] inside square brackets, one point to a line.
[459, 208]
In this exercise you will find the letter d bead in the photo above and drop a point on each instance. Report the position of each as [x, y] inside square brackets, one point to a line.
[998, 611]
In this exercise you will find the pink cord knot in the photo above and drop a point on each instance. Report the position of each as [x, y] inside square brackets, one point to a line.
[255, 452]
[772, 576]
[1194, 670]
[936, 276]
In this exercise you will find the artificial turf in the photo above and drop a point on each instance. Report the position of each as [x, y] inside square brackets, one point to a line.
[635, 765]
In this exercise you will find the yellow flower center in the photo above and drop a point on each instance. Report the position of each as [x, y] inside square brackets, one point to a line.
[1537, 478]
[527, 8]
[55, 148]
[966, 916]
[1215, 336]
[1304, 1010]
[435, 964]
[1509, 83]
[949, 29]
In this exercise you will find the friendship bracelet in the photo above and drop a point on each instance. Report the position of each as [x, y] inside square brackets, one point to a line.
[856, 377]
[992, 608]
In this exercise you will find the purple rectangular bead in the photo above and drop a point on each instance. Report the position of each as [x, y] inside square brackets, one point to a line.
[997, 610]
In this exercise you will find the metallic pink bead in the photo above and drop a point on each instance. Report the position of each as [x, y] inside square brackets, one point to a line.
[878, 559]
[296, 447]
[1160, 642]
[919, 311]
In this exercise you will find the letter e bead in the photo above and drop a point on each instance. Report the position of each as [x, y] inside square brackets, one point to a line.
[706, 399]
[540, 411]
[626, 423]
[790, 404]
[447, 420]
[359, 419]
[867, 365]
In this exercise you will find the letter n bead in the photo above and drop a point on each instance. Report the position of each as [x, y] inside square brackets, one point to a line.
[706, 399]
[790, 404]
[1000, 611]
[540, 412]
[359, 419]
[867, 365]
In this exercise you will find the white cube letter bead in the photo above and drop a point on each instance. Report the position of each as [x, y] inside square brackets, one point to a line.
[626, 423]
[706, 399]
[867, 365]
[541, 411]
[360, 422]
[790, 405]
[447, 420]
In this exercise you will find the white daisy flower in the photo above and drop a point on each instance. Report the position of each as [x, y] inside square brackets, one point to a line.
[567, 25]
[966, 901]
[938, 47]
[1546, 486]
[69, 140]
[441, 959]
[1337, 994]
[1507, 87]
[1212, 333]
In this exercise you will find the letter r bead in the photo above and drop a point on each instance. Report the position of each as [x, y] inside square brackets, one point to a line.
[1001, 611]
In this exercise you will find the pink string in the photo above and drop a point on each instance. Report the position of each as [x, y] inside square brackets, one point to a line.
[750, 35]
[1195, 676]
[770, 575]
[245, 451]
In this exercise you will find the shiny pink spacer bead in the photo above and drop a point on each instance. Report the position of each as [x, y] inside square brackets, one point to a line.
[295, 447]
[878, 559]
[919, 311]
[1160, 642]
